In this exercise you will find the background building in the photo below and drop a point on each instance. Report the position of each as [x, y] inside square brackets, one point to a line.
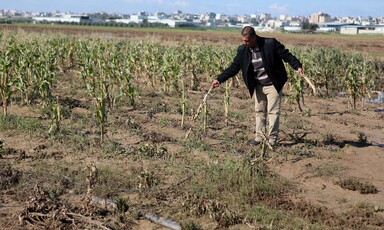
[320, 18]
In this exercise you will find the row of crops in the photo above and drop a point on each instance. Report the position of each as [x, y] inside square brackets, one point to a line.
[111, 68]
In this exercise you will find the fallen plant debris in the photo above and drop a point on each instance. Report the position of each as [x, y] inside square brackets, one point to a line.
[42, 211]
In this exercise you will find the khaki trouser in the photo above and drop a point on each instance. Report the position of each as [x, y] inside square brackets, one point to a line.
[267, 104]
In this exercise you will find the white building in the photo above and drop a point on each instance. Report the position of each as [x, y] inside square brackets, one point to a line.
[283, 17]
[169, 22]
[292, 28]
[138, 18]
[255, 16]
[243, 19]
[265, 16]
[219, 17]
[65, 18]
[275, 23]
[295, 23]
[326, 29]
[362, 30]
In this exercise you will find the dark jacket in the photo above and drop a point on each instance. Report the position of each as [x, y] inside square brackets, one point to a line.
[272, 53]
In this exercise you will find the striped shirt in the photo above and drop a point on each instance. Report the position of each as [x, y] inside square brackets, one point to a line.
[258, 66]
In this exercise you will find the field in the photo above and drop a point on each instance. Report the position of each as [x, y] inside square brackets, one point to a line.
[104, 128]
[371, 44]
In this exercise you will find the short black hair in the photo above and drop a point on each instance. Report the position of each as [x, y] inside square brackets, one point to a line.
[248, 30]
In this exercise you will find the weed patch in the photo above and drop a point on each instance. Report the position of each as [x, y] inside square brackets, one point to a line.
[18, 123]
[8, 176]
[328, 138]
[325, 169]
[190, 225]
[55, 179]
[355, 184]
[153, 151]
[232, 185]
[363, 216]
[362, 138]
[110, 180]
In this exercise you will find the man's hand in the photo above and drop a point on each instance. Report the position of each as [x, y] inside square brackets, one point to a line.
[215, 84]
[300, 70]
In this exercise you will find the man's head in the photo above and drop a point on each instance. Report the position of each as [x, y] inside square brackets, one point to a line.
[249, 36]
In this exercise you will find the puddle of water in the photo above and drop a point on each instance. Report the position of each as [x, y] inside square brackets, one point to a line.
[377, 144]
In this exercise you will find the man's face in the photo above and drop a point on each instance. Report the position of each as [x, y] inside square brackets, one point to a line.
[249, 40]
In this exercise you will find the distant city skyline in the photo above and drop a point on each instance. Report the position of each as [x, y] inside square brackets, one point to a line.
[353, 8]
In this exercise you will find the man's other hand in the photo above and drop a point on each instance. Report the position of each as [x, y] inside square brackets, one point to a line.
[215, 84]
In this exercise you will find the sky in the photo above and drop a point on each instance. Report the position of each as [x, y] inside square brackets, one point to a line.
[374, 8]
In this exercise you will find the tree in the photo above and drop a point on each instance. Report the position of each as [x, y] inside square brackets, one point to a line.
[309, 27]
[144, 23]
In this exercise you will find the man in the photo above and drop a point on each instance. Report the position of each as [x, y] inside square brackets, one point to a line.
[261, 61]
